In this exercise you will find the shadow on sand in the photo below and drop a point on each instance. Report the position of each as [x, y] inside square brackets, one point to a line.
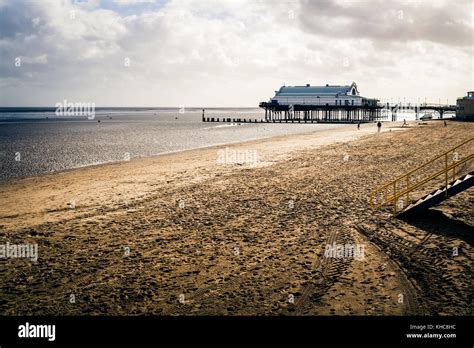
[436, 222]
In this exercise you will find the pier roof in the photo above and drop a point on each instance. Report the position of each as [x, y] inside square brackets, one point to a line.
[308, 90]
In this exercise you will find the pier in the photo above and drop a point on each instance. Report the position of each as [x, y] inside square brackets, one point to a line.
[418, 108]
[310, 113]
[329, 104]
[275, 113]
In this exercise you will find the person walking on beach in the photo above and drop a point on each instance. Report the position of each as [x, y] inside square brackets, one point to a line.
[445, 124]
[358, 126]
[379, 126]
[404, 123]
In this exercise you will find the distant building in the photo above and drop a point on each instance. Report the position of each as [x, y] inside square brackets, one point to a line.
[321, 95]
[465, 107]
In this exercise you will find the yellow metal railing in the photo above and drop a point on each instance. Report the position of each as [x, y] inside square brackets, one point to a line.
[397, 191]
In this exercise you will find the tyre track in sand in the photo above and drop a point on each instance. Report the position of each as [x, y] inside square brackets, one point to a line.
[420, 269]
[328, 270]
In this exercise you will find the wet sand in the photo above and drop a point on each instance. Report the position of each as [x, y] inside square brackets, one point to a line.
[182, 234]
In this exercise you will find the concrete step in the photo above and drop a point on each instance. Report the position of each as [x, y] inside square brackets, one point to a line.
[439, 194]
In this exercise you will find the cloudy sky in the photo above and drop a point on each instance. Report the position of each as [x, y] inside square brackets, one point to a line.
[230, 52]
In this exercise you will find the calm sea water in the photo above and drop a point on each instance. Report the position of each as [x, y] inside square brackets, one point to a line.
[35, 141]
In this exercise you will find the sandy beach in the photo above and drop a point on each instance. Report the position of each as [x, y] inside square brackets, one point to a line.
[182, 234]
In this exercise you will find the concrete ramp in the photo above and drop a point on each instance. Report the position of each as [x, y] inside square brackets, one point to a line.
[437, 196]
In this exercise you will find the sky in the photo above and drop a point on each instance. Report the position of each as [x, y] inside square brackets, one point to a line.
[231, 53]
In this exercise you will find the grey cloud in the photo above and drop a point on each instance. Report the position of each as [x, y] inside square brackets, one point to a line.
[16, 18]
[390, 21]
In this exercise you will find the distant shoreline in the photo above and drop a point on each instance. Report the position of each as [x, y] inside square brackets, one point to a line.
[170, 153]
[51, 144]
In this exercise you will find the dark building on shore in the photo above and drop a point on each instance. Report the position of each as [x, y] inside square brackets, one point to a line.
[465, 107]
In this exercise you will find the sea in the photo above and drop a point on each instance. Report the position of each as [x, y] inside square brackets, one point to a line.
[37, 141]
